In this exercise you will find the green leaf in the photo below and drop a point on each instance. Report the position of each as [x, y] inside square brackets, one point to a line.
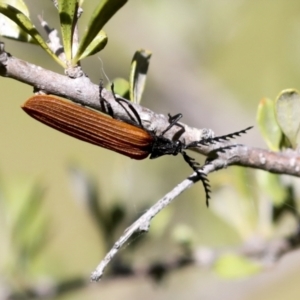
[68, 16]
[234, 204]
[268, 125]
[27, 226]
[272, 186]
[10, 29]
[161, 222]
[287, 110]
[25, 24]
[183, 235]
[138, 74]
[103, 12]
[232, 266]
[121, 87]
[95, 46]
[30, 209]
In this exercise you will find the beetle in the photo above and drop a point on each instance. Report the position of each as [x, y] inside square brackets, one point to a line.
[131, 140]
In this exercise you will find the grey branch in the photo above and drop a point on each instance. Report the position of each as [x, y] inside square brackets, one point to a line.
[220, 155]
[82, 91]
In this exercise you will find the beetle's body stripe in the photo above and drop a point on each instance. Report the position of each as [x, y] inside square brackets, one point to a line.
[90, 126]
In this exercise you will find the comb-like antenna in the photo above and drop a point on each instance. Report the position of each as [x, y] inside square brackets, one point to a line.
[221, 138]
[200, 175]
[226, 137]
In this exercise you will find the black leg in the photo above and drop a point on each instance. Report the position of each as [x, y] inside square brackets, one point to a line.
[119, 100]
[173, 122]
[104, 103]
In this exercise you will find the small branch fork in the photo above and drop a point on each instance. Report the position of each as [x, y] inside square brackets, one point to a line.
[220, 154]
[143, 223]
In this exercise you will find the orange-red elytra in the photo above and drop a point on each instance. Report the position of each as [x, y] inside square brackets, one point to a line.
[89, 125]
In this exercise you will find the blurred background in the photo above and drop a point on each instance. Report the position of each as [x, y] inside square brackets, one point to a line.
[212, 61]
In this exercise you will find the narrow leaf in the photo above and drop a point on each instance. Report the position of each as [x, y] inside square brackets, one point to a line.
[67, 14]
[272, 186]
[287, 110]
[103, 12]
[10, 29]
[24, 22]
[121, 87]
[138, 74]
[31, 207]
[231, 266]
[268, 125]
[95, 46]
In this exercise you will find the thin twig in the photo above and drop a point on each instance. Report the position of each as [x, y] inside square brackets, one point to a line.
[55, 45]
[143, 223]
[53, 42]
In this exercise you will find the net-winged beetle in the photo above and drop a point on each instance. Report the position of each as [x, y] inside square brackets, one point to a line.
[129, 139]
